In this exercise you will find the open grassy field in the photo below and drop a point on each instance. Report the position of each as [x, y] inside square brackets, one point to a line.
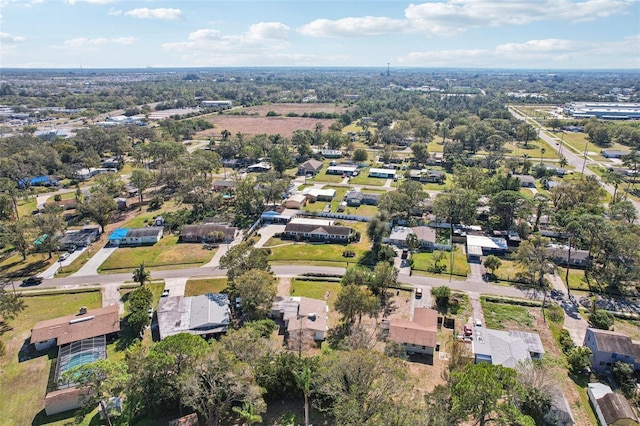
[23, 384]
[322, 290]
[424, 262]
[14, 267]
[198, 286]
[324, 177]
[364, 179]
[533, 150]
[500, 315]
[166, 254]
[251, 125]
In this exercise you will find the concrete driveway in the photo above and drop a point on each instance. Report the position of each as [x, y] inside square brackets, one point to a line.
[51, 271]
[267, 232]
[91, 267]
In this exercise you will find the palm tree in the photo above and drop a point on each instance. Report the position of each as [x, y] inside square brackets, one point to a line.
[248, 413]
[141, 275]
[542, 151]
[526, 164]
[303, 380]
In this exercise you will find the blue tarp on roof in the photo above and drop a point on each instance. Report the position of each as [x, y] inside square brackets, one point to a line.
[118, 234]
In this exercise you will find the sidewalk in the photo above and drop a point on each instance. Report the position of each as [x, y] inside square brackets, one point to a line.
[222, 250]
[91, 267]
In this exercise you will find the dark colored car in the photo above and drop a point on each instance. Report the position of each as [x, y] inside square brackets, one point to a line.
[32, 281]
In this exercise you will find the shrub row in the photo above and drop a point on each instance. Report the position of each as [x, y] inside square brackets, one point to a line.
[519, 302]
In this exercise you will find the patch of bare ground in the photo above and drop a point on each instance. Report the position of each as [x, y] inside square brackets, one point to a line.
[284, 287]
[250, 125]
[569, 388]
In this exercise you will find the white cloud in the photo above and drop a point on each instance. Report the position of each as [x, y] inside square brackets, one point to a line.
[8, 38]
[114, 12]
[455, 16]
[451, 17]
[92, 1]
[261, 37]
[548, 53]
[160, 13]
[83, 42]
[353, 27]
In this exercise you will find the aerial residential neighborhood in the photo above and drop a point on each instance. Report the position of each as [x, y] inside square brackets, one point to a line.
[318, 246]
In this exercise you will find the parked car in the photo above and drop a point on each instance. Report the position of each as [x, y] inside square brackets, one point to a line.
[32, 281]
[468, 331]
[64, 256]
[478, 323]
[165, 292]
[418, 293]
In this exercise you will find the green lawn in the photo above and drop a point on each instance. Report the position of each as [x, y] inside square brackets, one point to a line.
[424, 262]
[23, 384]
[26, 207]
[326, 253]
[500, 316]
[146, 217]
[323, 290]
[533, 150]
[576, 142]
[508, 270]
[576, 279]
[14, 267]
[436, 145]
[324, 177]
[363, 210]
[162, 255]
[198, 286]
[364, 179]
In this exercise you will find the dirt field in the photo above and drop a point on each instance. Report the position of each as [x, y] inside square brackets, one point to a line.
[256, 122]
[255, 125]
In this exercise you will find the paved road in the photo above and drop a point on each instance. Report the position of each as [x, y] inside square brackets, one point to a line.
[573, 159]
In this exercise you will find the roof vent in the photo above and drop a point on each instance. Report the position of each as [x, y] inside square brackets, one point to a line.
[312, 316]
[83, 310]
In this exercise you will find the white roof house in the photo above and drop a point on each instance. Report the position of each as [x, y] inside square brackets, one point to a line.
[320, 193]
[207, 314]
[308, 221]
[505, 348]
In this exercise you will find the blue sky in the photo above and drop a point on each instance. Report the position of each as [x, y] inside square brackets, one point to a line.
[550, 34]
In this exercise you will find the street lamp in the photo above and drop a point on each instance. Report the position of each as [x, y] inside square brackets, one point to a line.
[584, 162]
[561, 144]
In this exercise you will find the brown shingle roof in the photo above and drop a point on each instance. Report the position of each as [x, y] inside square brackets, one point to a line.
[71, 328]
[611, 341]
[424, 233]
[317, 229]
[422, 331]
[615, 407]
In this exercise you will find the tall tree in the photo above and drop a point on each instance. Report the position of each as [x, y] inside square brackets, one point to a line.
[18, 234]
[11, 303]
[141, 275]
[242, 258]
[256, 289]
[99, 207]
[142, 179]
[52, 224]
[482, 392]
[219, 381]
[535, 259]
[377, 229]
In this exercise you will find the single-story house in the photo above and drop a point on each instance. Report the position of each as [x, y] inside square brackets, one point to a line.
[611, 408]
[573, 129]
[506, 348]
[479, 245]
[278, 214]
[206, 315]
[550, 184]
[607, 347]
[110, 163]
[526, 181]
[260, 167]
[73, 328]
[38, 181]
[427, 176]
[512, 237]
[419, 335]
[398, 237]
[426, 236]
[312, 232]
[296, 201]
[328, 153]
[235, 163]
[356, 198]
[207, 233]
[69, 204]
[316, 194]
[224, 185]
[560, 413]
[560, 255]
[382, 173]
[85, 173]
[349, 170]
[310, 167]
[79, 238]
[312, 221]
[136, 236]
[81, 339]
[612, 153]
[301, 315]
